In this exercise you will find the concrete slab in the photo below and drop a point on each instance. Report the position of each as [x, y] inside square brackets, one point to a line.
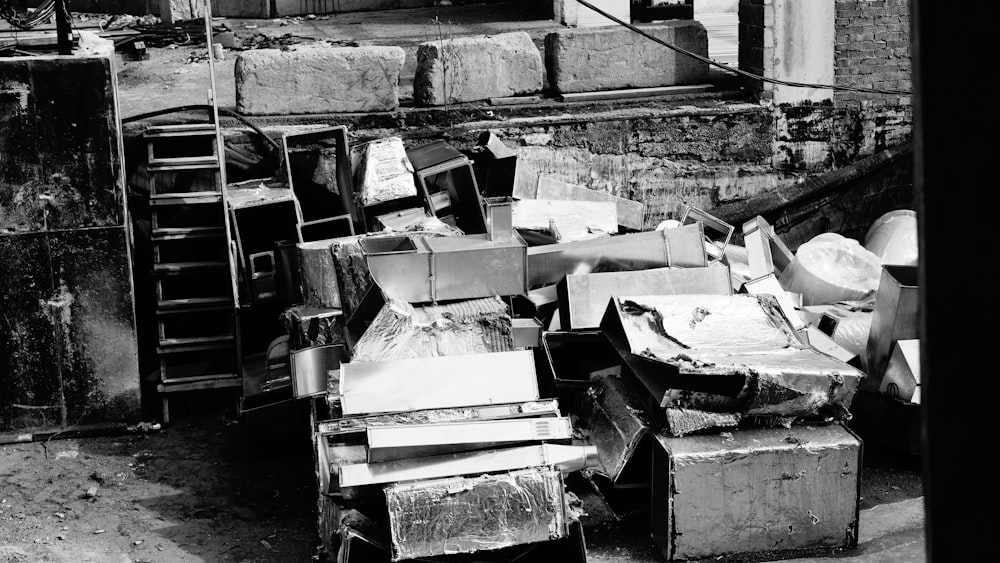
[610, 58]
[318, 79]
[469, 69]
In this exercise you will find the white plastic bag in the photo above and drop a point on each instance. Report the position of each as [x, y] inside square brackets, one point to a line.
[831, 268]
[893, 238]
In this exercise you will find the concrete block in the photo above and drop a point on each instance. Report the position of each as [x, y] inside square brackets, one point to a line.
[318, 79]
[585, 60]
[476, 68]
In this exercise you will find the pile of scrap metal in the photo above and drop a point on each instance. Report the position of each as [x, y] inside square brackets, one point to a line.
[471, 355]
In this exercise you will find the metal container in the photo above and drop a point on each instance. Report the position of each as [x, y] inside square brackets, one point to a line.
[311, 367]
[421, 269]
[895, 318]
[681, 246]
[754, 490]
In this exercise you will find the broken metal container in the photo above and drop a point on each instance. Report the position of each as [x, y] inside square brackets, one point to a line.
[390, 443]
[616, 423]
[681, 247]
[465, 515]
[755, 490]
[726, 353]
[438, 382]
[313, 326]
[439, 167]
[583, 298]
[319, 172]
[895, 318]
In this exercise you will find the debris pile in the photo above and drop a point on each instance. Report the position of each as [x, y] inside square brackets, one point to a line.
[488, 369]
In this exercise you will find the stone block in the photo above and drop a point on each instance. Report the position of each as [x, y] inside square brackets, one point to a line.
[587, 60]
[318, 79]
[476, 68]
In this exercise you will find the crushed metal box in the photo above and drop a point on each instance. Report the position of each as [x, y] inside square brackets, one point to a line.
[755, 490]
[464, 515]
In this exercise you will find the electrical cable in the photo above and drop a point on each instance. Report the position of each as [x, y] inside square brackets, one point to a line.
[40, 15]
[738, 71]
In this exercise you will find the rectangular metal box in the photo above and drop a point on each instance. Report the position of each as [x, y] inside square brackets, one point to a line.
[895, 318]
[755, 490]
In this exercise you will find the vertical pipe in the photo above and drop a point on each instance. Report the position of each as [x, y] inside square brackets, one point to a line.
[64, 33]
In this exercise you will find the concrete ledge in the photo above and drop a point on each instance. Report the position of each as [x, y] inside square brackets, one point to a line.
[468, 69]
[318, 79]
[612, 58]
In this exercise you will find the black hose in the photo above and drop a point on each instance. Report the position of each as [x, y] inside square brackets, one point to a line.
[206, 107]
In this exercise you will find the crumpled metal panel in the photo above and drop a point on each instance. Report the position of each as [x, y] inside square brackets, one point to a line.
[401, 331]
[464, 515]
[685, 421]
[755, 490]
[738, 337]
[617, 424]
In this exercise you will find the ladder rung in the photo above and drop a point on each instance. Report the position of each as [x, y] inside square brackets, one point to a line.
[181, 130]
[180, 164]
[195, 340]
[229, 342]
[193, 303]
[190, 198]
[182, 267]
[184, 384]
[184, 233]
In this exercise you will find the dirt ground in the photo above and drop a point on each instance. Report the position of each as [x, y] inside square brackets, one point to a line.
[210, 488]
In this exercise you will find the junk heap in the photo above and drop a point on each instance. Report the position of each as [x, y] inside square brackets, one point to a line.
[486, 374]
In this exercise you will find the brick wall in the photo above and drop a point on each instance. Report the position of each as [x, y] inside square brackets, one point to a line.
[751, 36]
[872, 50]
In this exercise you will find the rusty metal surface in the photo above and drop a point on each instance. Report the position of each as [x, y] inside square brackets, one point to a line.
[465, 515]
[753, 489]
[68, 341]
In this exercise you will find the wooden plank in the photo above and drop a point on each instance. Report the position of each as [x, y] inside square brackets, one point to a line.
[636, 93]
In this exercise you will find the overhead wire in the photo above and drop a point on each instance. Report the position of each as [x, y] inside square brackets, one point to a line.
[739, 72]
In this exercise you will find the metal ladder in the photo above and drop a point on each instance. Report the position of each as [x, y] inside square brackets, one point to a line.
[194, 270]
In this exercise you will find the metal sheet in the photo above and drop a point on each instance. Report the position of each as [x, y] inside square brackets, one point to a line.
[388, 443]
[566, 458]
[895, 318]
[584, 298]
[567, 220]
[359, 424]
[439, 382]
[717, 231]
[311, 367]
[708, 499]
[902, 375]
[465, 515]
[681, 247]
[630, 213]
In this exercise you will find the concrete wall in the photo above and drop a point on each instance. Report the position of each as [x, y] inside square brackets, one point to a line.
[788, 40]
[67, 340]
